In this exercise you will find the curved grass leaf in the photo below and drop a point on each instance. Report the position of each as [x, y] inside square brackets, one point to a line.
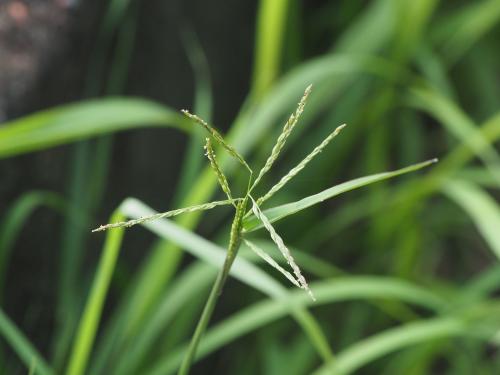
[458, 124]
[21, 345]
[277, 213]
[197, 277]
[329, 291]
[481, 207]
[202, 104]
[460, 31]
[83, 120]
[374, 347]
[16, 217]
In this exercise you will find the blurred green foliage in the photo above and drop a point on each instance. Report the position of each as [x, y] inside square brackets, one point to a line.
[405, 272]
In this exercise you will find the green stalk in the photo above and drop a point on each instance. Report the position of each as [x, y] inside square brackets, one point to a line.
[92, 313]
[233, 247]
[271, 25]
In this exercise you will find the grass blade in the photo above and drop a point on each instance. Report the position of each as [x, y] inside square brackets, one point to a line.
[366, 351]
[16, 217]
[270, 34]
[277, 213]
[481, 207]
[21, 345]
[91, 316]
[457, 123]
[83, 120]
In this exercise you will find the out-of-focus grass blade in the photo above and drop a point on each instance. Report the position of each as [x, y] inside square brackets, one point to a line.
[280, 212]
[478, 175]
[83, 120]
[203, 103]
[480, 287]
[412, 21]
[22, 346]
[374, 347]
[15, 218]
[91, 316]
[242, 270]
[329, 291]
[187, 286]
[434, 70]
[329, 72]
[371, 30]
[481, 207]
[459, 32]
[457, 123]
[270, 34]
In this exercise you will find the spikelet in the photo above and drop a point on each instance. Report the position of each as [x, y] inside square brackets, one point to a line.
[218, 137]
[285, 133]
[272, 262]
[199, 207]
[215, 166]
[281, 246]
[294, 171]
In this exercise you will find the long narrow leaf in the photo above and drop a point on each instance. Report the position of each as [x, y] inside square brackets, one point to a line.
[277, 213]
[386, 342]
[21, 345]
[481, 207]
[83, 120]
[91, 316]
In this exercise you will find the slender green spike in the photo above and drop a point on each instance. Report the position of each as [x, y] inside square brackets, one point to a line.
[218, 137]
[282, 247]
[215, 166]
[294, 171]
[257, 250]
[285, 133]
[199, 207]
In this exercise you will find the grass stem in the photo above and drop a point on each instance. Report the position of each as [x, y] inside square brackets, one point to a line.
[233, 247]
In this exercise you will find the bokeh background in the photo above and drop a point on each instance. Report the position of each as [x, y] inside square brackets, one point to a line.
[406, 270]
